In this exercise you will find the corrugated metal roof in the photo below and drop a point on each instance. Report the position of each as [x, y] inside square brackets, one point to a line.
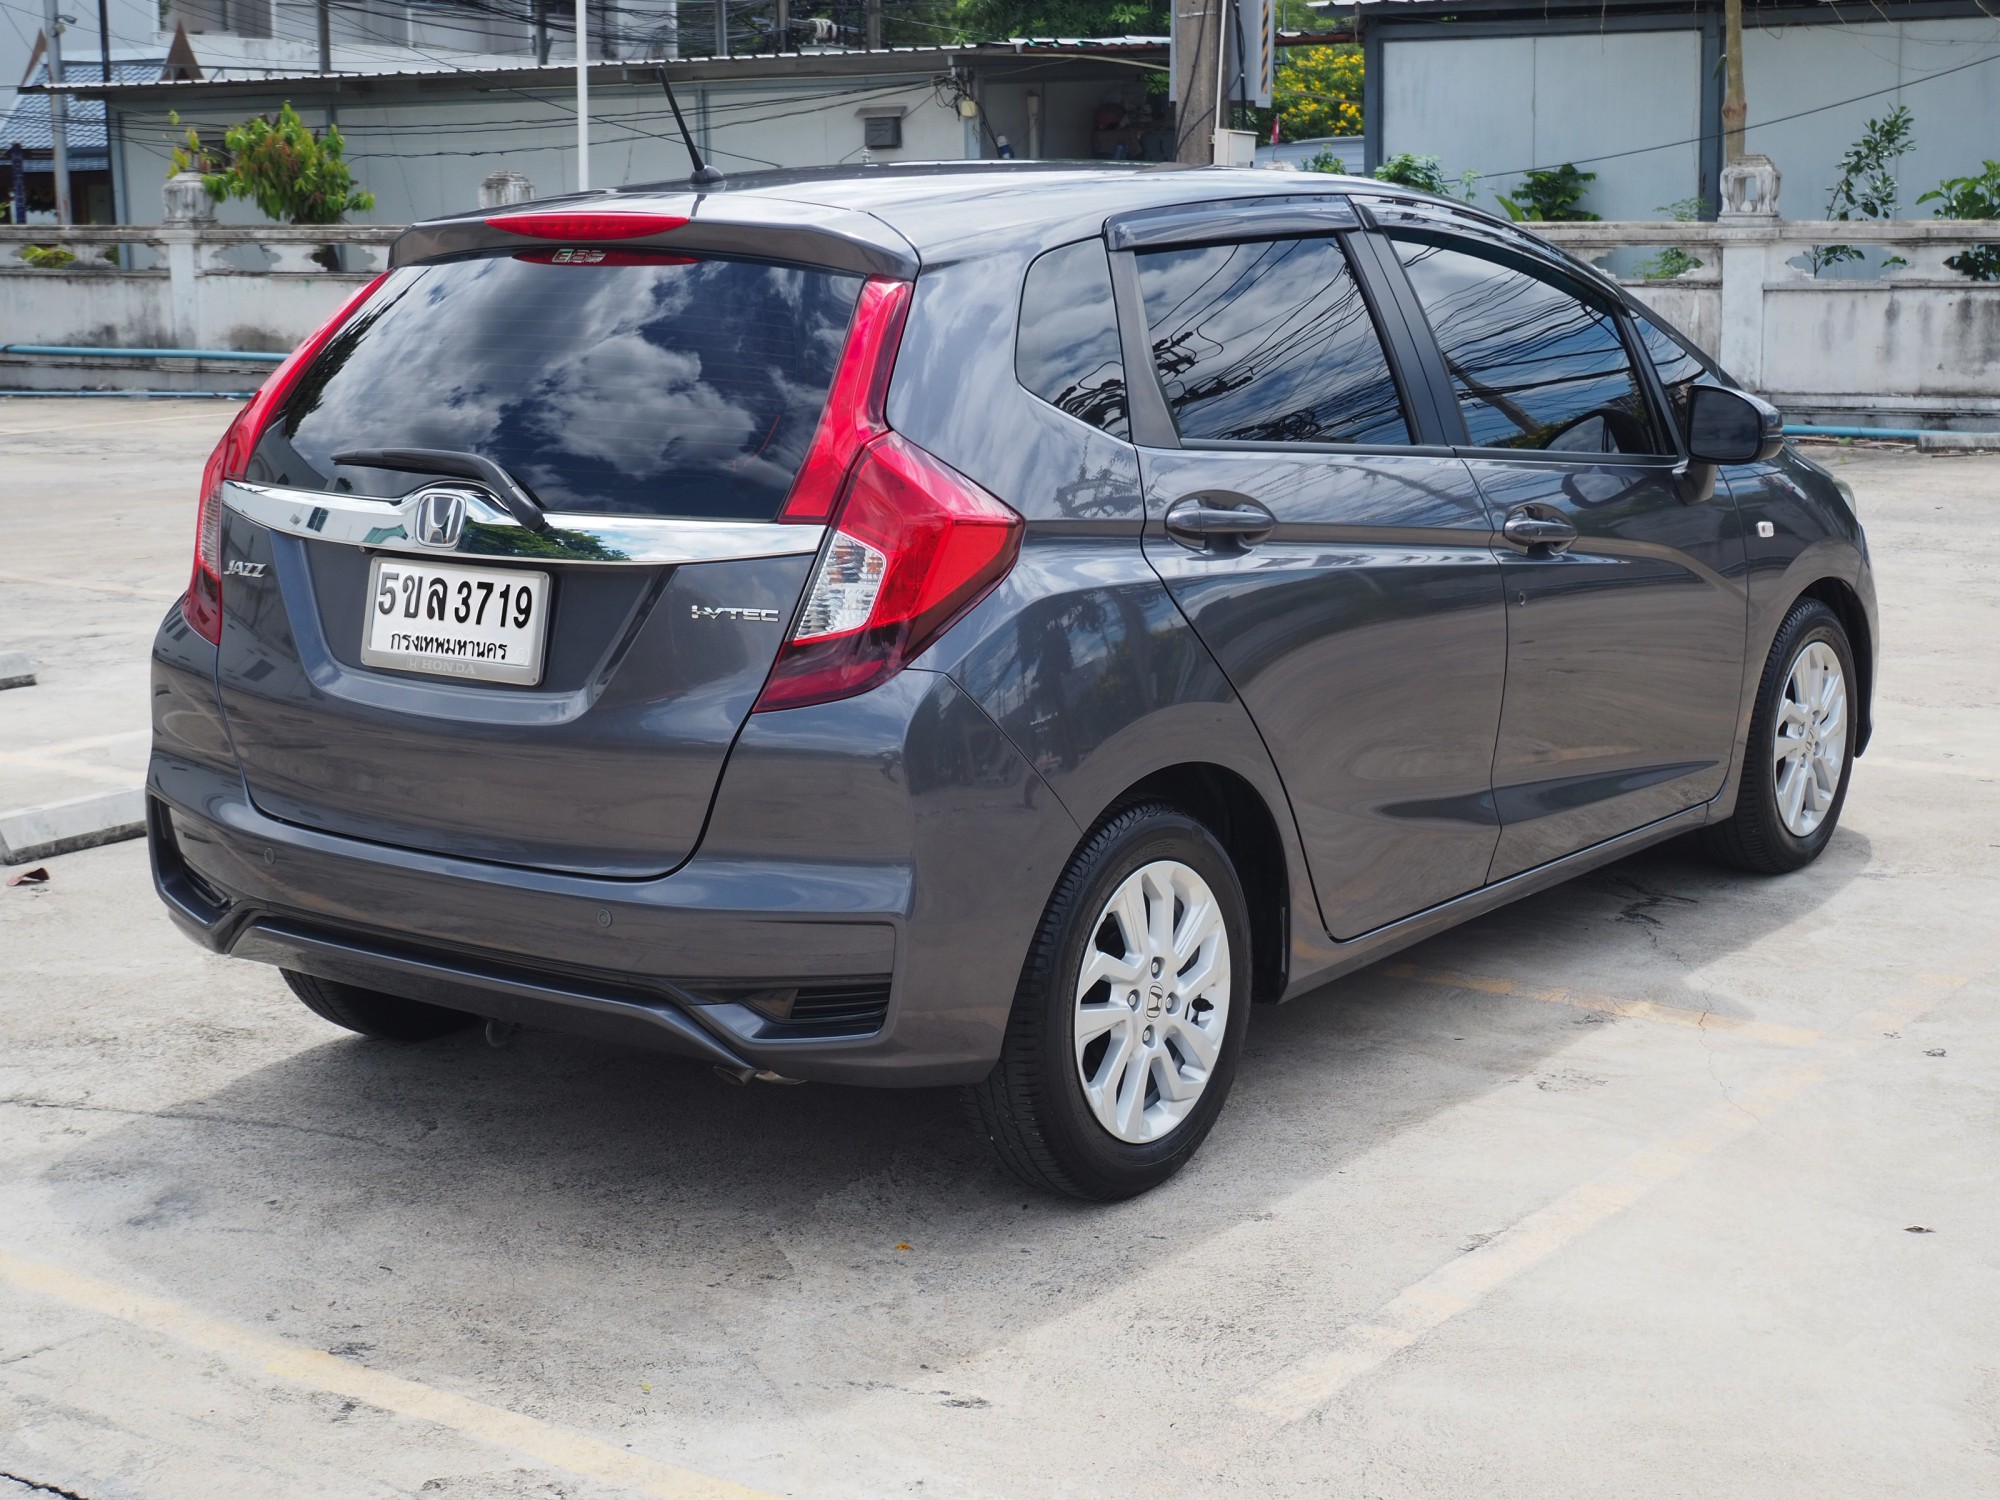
[28, 121]
[236, 73]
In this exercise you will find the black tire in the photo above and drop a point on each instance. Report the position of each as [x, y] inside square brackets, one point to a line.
[1755, 837]
[1032, 1107]
[387, 1018]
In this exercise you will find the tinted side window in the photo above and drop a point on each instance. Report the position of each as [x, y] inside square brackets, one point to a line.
[1680, 367]
[1268, 341]
[1068, 351]
[1533, 367]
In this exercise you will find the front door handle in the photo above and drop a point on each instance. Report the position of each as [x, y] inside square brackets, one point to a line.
[1537, 531]
[1218, 522]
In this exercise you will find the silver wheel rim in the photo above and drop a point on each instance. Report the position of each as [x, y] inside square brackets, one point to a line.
[1152, 1001]
[1810, 743]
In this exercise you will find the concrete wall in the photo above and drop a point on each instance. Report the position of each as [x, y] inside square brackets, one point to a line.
[423, 157]
[1499, 104]
[1921, 344]
[1793, 68]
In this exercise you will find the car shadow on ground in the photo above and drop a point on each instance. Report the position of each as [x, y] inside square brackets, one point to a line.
[547, 1202]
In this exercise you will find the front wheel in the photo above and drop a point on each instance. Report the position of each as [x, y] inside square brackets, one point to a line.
[1800, 752]
[1129, 1016]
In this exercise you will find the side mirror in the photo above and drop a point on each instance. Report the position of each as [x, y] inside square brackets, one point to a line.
[1732, 427]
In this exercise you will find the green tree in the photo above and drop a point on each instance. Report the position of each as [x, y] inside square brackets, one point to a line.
[1673, 261]
[294, 174]
[1003, 18]
[1412, 170]
[1971, 198]
[1866, 187]
[1549, 195]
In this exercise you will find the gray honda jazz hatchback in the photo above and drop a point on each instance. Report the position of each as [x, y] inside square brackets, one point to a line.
[978, 625]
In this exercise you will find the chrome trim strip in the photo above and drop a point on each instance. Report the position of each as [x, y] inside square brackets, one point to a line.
[389, 525]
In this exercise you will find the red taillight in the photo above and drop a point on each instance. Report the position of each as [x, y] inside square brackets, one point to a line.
[201, 605]
[854, 403]
[601, 226]
[915, 544]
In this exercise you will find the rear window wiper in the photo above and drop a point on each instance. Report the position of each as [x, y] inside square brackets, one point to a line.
[521, 504]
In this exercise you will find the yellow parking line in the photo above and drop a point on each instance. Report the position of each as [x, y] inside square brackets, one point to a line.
[208, 412]
[105, 775]
[70, 747]
[90, 586]
[1637, 1010]
[546, 1443]
[1462, 1284]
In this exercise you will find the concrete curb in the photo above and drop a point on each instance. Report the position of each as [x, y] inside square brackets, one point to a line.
[64, 827]
[1958, 442]
[16, 670]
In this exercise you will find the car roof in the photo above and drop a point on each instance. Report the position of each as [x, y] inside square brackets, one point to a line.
[944, 209]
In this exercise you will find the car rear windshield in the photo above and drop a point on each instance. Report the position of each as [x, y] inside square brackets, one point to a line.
[612, 382]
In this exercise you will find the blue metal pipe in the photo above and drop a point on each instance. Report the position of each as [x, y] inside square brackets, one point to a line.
[1898, 434]
[68, 350]
[139, 395]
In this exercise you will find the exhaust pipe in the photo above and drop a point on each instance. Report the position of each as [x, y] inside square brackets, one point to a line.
[744, 1076]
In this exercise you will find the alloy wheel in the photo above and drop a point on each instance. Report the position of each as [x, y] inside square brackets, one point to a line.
[1809, 741]
[1152, 1001]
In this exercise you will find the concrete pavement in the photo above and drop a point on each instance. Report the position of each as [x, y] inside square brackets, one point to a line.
[1669, 1182]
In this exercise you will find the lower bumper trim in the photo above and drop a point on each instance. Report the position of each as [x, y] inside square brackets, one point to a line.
[533, 1000]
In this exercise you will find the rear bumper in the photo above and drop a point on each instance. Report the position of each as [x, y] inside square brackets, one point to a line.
[955, 848]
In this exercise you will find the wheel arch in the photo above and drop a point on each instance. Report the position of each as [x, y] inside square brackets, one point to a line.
[1839, 596]
[1232, 809]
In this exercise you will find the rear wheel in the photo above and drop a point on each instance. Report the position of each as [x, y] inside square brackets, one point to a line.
[388, 1018]
[1129, 1015]
[1800, 752]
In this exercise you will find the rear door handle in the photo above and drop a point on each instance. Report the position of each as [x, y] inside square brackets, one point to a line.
[1218, 522]
[1537, 531]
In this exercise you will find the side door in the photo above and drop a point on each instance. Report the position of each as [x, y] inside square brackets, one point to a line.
[1332, 552]
[1622, 563]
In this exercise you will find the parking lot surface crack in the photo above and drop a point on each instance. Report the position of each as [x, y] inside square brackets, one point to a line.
[43, 1489]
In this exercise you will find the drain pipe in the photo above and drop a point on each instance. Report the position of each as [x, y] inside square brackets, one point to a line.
[1893, 434]
[133, 395]
[72, 351]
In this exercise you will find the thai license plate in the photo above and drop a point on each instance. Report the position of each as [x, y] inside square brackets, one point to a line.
[484, 623]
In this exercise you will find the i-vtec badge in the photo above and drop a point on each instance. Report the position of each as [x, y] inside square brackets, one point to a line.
[731, 612]
[238, 568]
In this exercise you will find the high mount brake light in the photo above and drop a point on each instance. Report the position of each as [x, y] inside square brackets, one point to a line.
[201, 605]
[597, 226]
[914, 545]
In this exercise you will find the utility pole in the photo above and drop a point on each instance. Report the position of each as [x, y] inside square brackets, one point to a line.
[541, 16]
[582, 95]
[325, 24]
[722, 28]
[58, 112]
[1734, 110]
[873, 36]
[1198, 39]
[104, 37]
